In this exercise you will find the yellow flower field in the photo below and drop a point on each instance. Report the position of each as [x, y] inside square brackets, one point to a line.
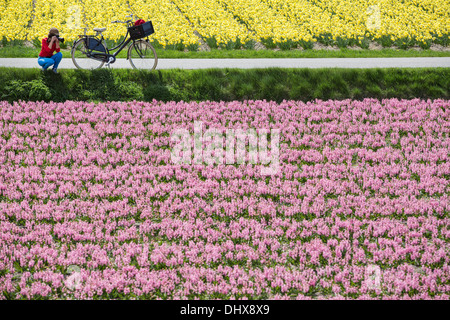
[342, 22]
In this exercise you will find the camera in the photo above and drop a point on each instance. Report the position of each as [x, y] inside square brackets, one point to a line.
[57, 37]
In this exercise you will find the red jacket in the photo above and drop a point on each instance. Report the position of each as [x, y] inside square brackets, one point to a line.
[47, 52]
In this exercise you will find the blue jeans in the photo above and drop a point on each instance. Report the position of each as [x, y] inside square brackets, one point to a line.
[53, 61]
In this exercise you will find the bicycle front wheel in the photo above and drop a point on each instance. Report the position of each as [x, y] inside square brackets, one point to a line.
[80, 59]
[142, 55]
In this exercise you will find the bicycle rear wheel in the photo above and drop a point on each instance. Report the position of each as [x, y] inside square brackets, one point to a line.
[142, 55]
[79, 58]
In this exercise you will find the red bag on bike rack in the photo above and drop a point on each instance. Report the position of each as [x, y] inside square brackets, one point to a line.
[139, 22]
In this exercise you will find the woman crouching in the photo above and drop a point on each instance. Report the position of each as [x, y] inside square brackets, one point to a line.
[50, 45]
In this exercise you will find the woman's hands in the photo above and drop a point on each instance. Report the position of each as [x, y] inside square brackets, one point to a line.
[53, 40]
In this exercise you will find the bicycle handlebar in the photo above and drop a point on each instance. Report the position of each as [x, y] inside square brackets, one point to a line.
[128, 21]
[117, 21]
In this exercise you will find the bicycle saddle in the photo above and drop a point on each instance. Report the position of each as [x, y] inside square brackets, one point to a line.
[99, 29]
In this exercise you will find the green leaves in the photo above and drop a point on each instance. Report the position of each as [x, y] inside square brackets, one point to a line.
[217, 84]
[35, 90]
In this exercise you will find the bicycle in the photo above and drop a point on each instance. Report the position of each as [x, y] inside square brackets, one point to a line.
[91, 52]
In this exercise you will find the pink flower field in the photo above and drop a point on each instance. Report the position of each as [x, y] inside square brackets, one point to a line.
[92, 207]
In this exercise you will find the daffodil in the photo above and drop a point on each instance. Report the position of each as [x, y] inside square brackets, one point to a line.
[227, 20]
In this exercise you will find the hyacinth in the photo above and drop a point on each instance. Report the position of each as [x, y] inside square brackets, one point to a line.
[92, 206]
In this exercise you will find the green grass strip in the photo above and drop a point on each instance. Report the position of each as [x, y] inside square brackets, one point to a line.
[224, 84]
[25, 52]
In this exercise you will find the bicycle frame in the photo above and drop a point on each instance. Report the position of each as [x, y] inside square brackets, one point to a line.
[105, 56]
[121, 45]
[100, 51]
